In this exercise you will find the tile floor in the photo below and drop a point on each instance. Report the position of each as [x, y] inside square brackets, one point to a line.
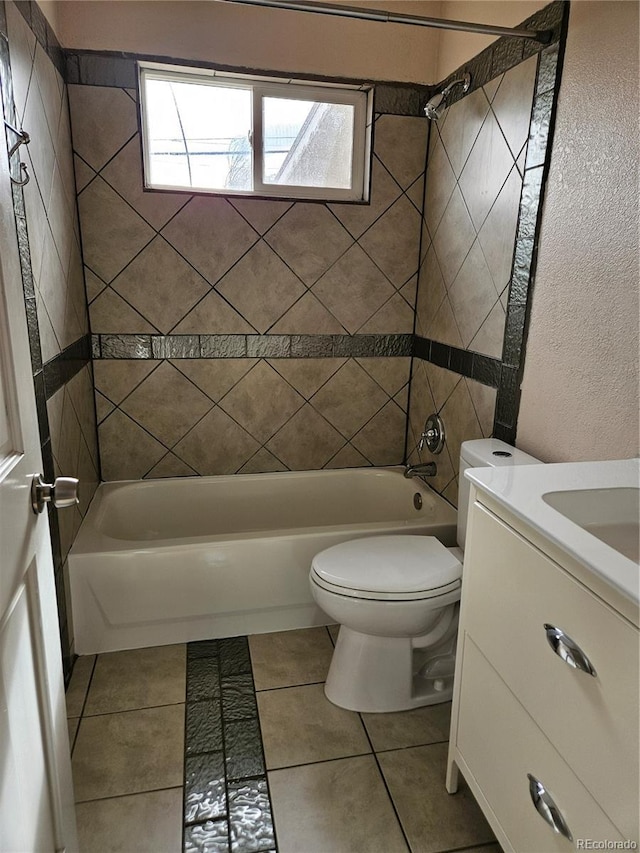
[340, 782]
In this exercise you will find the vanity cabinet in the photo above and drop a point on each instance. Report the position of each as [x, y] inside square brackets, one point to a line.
[545, 716]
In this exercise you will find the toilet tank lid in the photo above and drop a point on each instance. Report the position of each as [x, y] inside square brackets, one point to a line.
[393, 564]
[493, 453]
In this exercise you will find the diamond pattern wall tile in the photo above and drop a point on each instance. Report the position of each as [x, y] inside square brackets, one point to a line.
[83, 172]
[422, 403]
[349, 399]
[439, 185]
[124, 174]
[490, 336]
[391, 374]
[486, 170]
[306, 442]
[112, 233]
[182, 404]
[491, 87]
[353, 289]
[356, 218]
[454, 237]
[117, 378]
[484, 402]
[213, 316]
[51, 88]
[127, 452]
[415, 193]
[308, 316]
[104, 407]
[261, 287]
[461, 129]
[498, 232]
[395, 317]
[308, 239]
[393, 242]
[307, 375]
[216, 445]
[211, 234]
[260, 213]
[443, 327]
[461, 421]
[348, 457]
[410, 291]
[442, 382]
[53, 289]
[61, 217]
[37, 224]
[103, 119]
[41, 150]
[215, 377]
[94, 285]
[153, 280]
[382, 439]
[262, 462]
[512, 103]
[401, 144]
[262, 401]
[23, 44]
[170, 466]
[472, 295]
[431, 292]
[110, 313]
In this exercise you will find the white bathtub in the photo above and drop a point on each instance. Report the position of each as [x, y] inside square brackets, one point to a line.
[169, 561]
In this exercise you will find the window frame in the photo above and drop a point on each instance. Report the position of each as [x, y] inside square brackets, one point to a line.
[358, 95]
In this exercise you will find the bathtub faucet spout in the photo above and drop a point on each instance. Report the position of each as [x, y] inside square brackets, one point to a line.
[423, 469]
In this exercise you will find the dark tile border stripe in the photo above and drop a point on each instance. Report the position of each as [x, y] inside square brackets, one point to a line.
[227, 805]
[112, 68]
[473, 365]
[41, 28]
[65, 365]
[109, 346]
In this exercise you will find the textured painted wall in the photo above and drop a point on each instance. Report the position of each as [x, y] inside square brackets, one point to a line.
[279, 278]
[580, 388]
[273, 39]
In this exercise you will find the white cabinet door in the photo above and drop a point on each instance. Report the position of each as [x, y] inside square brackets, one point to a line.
[36, 795]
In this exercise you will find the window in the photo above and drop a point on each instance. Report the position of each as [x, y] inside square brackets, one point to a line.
[208, 131]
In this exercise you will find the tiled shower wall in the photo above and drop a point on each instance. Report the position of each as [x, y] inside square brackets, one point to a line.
[482, 197]
[35, 98]
[244, 335]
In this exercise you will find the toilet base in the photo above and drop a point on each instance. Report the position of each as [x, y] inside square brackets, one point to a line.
[381, 674]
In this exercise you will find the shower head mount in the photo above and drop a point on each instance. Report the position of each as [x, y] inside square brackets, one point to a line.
[438, 103]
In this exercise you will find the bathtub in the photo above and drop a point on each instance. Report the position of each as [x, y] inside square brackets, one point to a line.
[169, 561]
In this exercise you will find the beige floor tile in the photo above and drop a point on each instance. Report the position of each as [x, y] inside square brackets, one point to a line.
[333, 630]
[144, 823]
[138, 678]
[77, 690]
[432, 819]
[334, 807]
[129, 752]
[72, 726]
[299, 725]
[409, 728]
[288, 658]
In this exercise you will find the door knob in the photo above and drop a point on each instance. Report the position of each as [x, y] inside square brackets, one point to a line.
[63, 492]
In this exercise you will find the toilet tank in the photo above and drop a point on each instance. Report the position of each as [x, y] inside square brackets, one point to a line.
[484, 453]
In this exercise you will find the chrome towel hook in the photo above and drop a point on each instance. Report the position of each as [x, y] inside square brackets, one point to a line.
[23, 139]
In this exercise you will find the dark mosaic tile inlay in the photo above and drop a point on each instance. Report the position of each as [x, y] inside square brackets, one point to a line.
[227, 808]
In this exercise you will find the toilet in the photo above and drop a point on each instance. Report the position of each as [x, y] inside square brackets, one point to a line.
[396, 599]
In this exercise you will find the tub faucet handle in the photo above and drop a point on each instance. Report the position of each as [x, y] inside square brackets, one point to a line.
[64, 491]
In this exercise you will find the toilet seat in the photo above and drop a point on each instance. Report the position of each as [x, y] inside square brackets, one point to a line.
[389, 568]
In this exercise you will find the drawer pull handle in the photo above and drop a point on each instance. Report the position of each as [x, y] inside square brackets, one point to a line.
[546, 807]
[568, 650]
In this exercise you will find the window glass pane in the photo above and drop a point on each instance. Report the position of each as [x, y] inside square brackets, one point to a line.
[198, 135]
[307, 143]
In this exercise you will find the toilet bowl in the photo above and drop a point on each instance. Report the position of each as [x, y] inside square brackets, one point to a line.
[396, 599]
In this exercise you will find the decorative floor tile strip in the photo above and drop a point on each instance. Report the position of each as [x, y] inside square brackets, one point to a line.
[227, 808]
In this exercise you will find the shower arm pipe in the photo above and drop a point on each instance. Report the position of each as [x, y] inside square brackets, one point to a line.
[542, 36]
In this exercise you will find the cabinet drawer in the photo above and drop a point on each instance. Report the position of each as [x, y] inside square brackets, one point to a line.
[510, 590]
[501, 744]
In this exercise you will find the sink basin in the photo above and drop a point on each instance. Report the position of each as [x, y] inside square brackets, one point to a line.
[611, 515]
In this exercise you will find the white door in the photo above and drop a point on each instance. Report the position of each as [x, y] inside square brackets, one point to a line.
[36, 795]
